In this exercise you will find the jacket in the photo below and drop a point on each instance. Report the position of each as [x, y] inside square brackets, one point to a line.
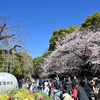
[78, 92]
[66, 96]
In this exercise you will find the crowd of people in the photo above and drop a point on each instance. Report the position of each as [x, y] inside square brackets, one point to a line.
[66, 89]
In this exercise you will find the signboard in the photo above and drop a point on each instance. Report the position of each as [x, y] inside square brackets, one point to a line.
[7, 82]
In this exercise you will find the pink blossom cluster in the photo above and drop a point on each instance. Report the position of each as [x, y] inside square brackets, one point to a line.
[77, 49]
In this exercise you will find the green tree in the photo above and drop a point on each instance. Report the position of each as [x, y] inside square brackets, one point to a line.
[37, 63]
[23, 65]
[92, 21]
[60, 34]
[47, 53]
[3, 59]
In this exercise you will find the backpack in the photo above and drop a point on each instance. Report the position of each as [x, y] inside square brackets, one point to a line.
[52, 84]
[57, 83]
[76, 93]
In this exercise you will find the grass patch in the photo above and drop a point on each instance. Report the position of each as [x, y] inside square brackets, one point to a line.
[44, 95]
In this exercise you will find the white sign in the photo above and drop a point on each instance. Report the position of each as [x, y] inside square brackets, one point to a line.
[7, 82]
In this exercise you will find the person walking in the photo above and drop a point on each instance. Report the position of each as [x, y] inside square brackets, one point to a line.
[78, 92]
[68, 85]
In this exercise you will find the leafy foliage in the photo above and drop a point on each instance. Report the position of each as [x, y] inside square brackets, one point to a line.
[20, 94]
[23, 65]
[4, 97]
[92, 22]
[47, 53]
[60, 34]
[23, 94]
[37, 63]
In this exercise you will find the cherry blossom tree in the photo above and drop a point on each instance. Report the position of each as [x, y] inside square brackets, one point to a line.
[77, 52]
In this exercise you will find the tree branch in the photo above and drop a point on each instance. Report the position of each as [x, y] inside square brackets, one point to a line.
[4, 37]
[2, 28]
[14, 48]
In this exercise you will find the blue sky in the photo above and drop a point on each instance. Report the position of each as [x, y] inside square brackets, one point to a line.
[42, 17]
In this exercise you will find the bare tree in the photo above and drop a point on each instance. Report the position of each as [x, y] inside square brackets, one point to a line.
[11, 34]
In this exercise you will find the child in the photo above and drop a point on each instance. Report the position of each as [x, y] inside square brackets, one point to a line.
[66, 96]
[46, 90]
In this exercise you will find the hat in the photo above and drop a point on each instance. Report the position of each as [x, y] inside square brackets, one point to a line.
[74, 83]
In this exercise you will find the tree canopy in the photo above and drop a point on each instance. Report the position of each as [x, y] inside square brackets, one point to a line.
[92, 21]
[79, 52]
[23, 65]
[60, 34]
[37, 70]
